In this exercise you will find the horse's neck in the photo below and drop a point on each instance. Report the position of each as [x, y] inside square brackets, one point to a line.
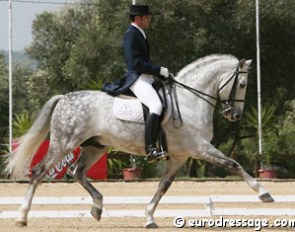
[206, 80]
[201, 80]
[197, 114]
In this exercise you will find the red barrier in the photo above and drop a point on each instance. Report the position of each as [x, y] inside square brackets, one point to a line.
[98, 171]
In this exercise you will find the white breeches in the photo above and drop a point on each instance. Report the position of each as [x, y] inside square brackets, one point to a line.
[146, 94]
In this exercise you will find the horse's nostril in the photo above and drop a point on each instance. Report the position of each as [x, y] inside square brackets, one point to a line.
[237, 116]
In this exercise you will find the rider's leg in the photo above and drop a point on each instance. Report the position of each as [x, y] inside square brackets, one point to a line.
[145, 92]
[151, 133]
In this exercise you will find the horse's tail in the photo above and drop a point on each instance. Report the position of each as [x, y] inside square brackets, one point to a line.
[18, 162]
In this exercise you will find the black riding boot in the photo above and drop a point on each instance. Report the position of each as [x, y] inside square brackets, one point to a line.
[151, 132]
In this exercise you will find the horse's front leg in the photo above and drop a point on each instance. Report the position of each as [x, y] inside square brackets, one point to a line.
[89, 155]
[173, 165]
[212, 155]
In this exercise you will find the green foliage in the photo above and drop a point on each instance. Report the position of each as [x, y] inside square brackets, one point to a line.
[286, 138]
[278, 135]
[193, 168]
[21, 124]
[93, 85]
[4, 106]
[21, 74]
[267, 116]
[78, 45]
[81, 47]
[271, 149]
[118, 161]
[270, 138]
[115, 167]
[39, 90]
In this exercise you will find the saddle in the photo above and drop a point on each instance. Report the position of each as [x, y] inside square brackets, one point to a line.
[127, 107]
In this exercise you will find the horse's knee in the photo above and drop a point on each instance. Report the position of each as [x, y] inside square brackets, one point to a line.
[236, 168]
[231, 165]
[235, 165]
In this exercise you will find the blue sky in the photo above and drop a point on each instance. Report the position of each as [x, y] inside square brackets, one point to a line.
[23, 14]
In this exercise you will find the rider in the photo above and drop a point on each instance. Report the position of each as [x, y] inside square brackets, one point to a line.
[140, 75]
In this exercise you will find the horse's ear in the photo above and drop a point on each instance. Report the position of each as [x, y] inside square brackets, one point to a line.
[242, 62]
[248, 62]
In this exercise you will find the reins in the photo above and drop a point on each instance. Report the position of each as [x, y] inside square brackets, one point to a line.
[196, 92]
[228, 102]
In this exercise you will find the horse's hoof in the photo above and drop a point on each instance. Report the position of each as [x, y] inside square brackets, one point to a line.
[151, 225]
[96, 212]
[266, 197]
[20, 224]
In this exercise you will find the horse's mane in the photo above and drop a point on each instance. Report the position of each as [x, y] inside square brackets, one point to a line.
[202, 62]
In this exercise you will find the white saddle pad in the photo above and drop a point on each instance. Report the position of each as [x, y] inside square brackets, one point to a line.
[130, 109]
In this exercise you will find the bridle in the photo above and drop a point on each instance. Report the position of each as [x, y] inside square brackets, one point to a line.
[228, 103]
[231, 99]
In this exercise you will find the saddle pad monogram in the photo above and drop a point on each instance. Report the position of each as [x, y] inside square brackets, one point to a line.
[128, 109]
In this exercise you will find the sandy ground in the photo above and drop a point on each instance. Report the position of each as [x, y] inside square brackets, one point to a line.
[124, 224]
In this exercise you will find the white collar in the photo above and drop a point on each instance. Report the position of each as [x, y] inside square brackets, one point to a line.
[142, 31]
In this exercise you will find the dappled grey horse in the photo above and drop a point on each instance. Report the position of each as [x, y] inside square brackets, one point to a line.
[86, 119]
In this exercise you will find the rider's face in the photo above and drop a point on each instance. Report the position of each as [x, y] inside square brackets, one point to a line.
[144, 21]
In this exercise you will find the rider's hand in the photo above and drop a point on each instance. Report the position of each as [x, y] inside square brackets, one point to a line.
[164, 72]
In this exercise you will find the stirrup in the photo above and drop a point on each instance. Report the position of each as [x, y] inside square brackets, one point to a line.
[156, 155]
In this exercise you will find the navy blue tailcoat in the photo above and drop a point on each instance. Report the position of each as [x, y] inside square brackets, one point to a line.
[137, 59]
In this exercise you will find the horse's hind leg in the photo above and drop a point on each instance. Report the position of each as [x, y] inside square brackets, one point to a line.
[214, 156]
[89, 155]
[173, 166]
[38, 173]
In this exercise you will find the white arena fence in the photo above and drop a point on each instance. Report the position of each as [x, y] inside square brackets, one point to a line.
[206, 201]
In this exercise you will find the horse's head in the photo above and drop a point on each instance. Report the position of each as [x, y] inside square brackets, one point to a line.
[232, 92]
